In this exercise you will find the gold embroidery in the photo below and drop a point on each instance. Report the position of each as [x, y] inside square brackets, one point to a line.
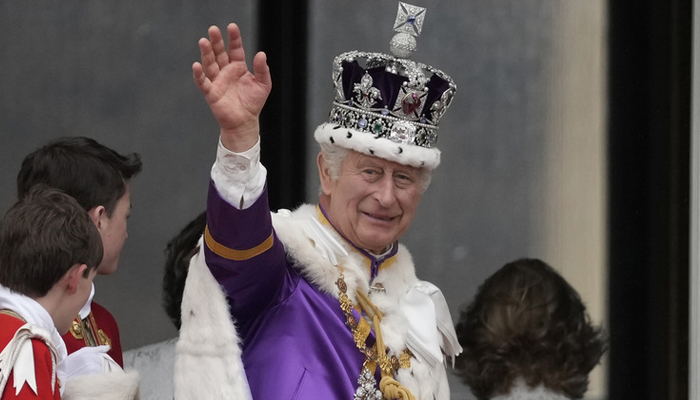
[236, 255]
[345, 304]
[103, 338]
[87, 330]
[385, 363]
[361, 332]
[405, 359]
[76, 329]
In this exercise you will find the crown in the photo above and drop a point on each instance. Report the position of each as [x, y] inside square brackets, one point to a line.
[388, 105]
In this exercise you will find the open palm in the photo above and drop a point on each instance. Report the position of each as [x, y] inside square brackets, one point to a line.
[235, 95]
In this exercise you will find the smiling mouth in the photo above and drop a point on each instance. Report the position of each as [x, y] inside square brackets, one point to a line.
[380, 218]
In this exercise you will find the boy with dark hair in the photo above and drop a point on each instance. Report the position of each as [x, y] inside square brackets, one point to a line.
[49, 254]
[98, 178]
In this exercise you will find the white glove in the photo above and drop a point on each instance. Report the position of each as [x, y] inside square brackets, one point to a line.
[87, 361]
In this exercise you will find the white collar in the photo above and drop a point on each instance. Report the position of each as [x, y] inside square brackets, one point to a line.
[85, 311]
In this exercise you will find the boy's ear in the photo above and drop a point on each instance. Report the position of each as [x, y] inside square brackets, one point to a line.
[72, 278]
[96, 213]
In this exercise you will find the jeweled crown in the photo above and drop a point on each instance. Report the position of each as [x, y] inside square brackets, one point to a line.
[390, 96]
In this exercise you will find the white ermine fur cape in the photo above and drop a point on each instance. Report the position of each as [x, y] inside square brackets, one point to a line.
[116, 385]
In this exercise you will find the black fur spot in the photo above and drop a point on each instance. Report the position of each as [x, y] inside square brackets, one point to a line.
[349, 134]
[400, 150]
[332, 141]
[336, 127]
[371, 151]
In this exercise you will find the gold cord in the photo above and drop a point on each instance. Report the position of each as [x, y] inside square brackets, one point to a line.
[390, 387]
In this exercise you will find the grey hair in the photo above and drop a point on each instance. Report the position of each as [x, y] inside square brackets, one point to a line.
[334, 155]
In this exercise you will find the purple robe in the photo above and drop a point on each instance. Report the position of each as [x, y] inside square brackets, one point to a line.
[295, 342]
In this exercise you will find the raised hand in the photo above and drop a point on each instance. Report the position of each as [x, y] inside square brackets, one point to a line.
[234, 94]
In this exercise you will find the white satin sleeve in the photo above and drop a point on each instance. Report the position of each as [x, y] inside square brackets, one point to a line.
[239, 177]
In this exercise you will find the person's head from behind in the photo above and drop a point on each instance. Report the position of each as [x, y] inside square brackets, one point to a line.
[50, 251]
[96, 176]
[526, 322]
[178, 253]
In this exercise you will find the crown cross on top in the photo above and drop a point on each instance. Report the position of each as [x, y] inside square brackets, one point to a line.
[408, 24]
[409, 19]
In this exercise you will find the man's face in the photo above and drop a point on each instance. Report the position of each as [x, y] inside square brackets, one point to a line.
[373, 201]
[114, 233]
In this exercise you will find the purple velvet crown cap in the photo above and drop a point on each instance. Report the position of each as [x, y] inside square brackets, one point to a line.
[390, 85]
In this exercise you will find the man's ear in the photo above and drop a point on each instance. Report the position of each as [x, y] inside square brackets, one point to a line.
[72, 277]
[96, 214]
[324, 174]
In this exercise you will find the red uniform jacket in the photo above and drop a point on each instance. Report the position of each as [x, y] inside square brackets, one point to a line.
[98, 328]
[43, 365]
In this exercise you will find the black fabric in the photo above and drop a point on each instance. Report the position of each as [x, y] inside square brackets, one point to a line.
[649, 163]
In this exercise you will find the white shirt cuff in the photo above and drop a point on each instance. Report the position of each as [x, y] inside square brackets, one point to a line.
[239, 177]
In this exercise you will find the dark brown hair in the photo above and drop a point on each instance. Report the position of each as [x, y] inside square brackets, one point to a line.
[42, 236]
[527, 322]
[178, 253]
[93, 174]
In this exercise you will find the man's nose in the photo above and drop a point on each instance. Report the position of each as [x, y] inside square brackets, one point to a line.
[385, 191]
